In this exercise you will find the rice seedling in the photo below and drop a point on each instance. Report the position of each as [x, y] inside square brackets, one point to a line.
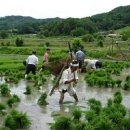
[76, 113]
[28, 90]
[17, 120]
[42, 99]
[5, 91]
[12, 100]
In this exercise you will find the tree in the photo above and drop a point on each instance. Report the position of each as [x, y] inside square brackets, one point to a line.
[3, 34]
[125, 35]
[76, 44]
[78, 32]
[88, 38]
[19, 42]
[100, 43]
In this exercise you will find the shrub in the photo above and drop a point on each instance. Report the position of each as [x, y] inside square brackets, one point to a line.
[88, 38]
[125, 36]
[2, 44]
[100, 43]
[19, 42]
[3, 34]
[7, 43]
[78, 32]
[47, 44]
[76, 44]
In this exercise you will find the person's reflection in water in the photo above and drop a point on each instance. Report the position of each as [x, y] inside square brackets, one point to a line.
[65, 110]
[44, 109]
[62, 109]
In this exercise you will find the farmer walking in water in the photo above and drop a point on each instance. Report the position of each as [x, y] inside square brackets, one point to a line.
[31, 61]
[68, 78]
[45, 58]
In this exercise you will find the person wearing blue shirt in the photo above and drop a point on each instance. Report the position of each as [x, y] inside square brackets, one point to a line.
[80, 58]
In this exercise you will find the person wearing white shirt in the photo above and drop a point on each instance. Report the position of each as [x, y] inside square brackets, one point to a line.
[31, 61]
[68, 78]
[92, 64]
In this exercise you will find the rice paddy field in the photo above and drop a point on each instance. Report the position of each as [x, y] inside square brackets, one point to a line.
[103, 94]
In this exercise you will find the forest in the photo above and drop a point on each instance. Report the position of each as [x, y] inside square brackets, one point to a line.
[105, 22]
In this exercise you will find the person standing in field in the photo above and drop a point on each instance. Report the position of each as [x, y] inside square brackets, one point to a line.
[80, 58]
[68, 78]
[45, 58]
[31, 61]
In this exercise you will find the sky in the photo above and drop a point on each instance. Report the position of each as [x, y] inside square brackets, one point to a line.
[42, 9]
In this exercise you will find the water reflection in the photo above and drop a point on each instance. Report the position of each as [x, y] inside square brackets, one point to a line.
[41, 116]
[2, 80]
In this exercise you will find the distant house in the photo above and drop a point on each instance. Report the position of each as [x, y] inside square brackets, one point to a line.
[114, 35]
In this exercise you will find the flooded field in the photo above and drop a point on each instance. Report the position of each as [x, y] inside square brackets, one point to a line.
[42, 116]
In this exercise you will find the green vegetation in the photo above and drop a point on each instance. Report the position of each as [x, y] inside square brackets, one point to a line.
[99, 37]
[103, 77]
[76, 113]
[63, 123]
[2, 107]
[112, 117]
[42, 99]
[4, 90]
[115, 19]
[28, 90]
[16, 120]
[12, 100]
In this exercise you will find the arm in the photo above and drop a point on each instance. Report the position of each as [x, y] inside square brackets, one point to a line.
[65, 76]
[69, 81]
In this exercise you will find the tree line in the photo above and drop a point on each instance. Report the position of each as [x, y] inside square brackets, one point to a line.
[115, 19]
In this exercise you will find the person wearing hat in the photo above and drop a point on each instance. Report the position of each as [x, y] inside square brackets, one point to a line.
[68, 78]
[31, 61]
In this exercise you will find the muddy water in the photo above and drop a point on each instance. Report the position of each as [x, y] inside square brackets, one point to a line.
[41, 116]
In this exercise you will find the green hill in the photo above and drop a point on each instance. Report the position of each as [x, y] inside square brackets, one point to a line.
[115, 19]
